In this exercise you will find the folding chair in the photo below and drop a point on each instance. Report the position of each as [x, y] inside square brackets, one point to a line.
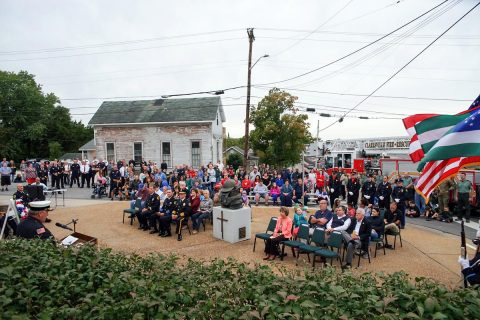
[334, 241]
[378, 242]
[318, 238]
[395, 234]
[137, 208]
[360, 254]
[268, 233]
[303, 234]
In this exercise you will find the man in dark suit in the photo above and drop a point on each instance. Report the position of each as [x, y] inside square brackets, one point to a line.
[357, 236]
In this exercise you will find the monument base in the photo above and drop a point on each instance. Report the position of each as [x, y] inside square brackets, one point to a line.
[232, 225]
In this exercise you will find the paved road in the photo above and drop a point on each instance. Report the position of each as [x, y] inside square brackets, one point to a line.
[452, 228]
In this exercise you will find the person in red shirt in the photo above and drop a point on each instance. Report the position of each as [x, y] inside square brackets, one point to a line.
[246, 184]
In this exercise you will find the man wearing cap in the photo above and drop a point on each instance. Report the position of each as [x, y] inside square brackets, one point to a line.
[353, 188]
[33, 227]
[368, 189]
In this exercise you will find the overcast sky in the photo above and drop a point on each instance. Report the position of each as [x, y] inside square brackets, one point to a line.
[145, 49]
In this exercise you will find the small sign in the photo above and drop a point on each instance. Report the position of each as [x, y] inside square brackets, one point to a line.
[242, 232]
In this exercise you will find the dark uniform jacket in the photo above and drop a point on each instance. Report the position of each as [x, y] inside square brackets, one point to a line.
[183, 207]
[384, 190]
[378, 224]
[153, 203]
[32, 228]
[399, 193]
[353, 186]
[54, 170]
[75, 168]
[21, 196]
[169, 206]
[368, 189]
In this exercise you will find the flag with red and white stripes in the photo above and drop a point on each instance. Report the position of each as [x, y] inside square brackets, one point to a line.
[415, 150]
[435, 172]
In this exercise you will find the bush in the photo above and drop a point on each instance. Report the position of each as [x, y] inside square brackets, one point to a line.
[40, 280]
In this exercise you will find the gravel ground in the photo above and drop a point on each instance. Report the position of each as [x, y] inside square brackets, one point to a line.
[425, 252]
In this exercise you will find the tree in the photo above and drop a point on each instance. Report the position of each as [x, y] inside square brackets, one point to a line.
[235, 160]
[32, 120]
[280, 133]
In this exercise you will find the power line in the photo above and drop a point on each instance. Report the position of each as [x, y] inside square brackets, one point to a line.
[358, 50]
[404, 66]
[117, 43]
[364, 95]
[316, 29]
[121, 51]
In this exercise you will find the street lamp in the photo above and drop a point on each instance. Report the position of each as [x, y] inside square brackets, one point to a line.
[247, 110]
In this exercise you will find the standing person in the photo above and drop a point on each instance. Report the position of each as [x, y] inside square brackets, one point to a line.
[384, 190]
[353, 189]
[13, 168]
[42, 173]
[61, 171]
[398, 195]
[182, 214]
[54, 173]
[33, 227]
[368, 189]
[30, 174]
[212, 178]
[465, 194]
[114, 181]
[335, 186]
[5, 172]
[443, 197]
[66, 174]
[283, 231]
[84, 173]
[75, 168]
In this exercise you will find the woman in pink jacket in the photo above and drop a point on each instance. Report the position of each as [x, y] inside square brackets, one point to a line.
[283, 231]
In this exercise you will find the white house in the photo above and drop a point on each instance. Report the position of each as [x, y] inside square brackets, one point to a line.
[174, 131]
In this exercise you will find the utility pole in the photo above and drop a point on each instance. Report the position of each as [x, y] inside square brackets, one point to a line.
[251, 38]
[317, 145]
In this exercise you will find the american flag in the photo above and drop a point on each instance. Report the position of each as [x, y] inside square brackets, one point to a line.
[475, 103]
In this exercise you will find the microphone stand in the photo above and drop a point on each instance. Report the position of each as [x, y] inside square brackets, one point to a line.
[74, 221]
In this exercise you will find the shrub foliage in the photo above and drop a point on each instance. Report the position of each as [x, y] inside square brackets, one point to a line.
[41, 280]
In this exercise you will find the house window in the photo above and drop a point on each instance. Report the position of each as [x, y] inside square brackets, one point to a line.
[137, 152]
[196, 156]
[167, 154]
[110, 147]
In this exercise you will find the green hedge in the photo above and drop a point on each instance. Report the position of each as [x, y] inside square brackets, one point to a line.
[40, 280]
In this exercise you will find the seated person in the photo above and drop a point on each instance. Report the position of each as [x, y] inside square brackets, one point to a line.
[378, 225]
[133, 187]
[351, 210]
[245, 199]
[412, 210]
[286, 194]
[358, 236]
[194, 205]
[282, 232]
[392, 221]
[152, 205]
[274, 193]
[260, 191]
[299, 218]
[182, 214]
[204, 212]
[169, 208]
[321, 217]
[339, 222]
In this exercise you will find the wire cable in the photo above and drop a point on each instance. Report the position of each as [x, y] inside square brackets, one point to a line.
[405, 65]
[357, 50]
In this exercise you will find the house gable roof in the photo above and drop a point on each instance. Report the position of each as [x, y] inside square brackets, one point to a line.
[158, 111]
[90, 145]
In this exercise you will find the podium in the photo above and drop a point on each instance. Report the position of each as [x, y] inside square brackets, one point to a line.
[232, 225]
[81, 239]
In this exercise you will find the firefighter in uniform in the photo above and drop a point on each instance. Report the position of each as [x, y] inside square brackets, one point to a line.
[182, 214]
[33, 227]
[75, 169]
[335, 185]
[169, 209]
[54, 173]
[42, 173]
[368, 189]
[152, 205]
[353, 189]
[399, 195]
[384, 190]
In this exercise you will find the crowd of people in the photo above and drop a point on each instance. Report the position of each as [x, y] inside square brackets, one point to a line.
[191, 187]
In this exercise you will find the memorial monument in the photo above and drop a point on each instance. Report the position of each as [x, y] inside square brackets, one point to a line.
[231, 221]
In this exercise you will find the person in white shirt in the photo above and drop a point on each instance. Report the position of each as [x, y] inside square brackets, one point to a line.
[84, 173]
[260, 191]
[339, 222]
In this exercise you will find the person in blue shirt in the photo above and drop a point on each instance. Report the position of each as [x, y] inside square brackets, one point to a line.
[321, 217]
[279, 181]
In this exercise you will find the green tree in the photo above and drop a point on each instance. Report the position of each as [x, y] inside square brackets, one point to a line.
[280, 133]
[235, 160]
[232, 142]
[31, 120]
[54, 149]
